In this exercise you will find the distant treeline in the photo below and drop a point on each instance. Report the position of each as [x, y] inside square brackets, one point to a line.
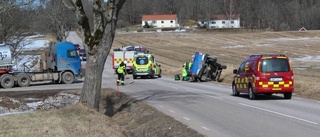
[254, 14]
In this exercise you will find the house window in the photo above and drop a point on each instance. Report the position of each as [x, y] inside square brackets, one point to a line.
[213, 22]
[153, 21]
[223, 22]
[232, 22]
[171, 21]
[162, 21]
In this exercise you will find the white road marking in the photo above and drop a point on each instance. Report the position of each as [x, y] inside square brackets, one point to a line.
[186, 118]
[205, 128]
[215, 97]
[278, 113]
[172, 111]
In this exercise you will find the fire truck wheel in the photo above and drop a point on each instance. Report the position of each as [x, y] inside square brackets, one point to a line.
[67, 78]
[287, 95]
[7, 81]
[252, 96]
[234, 90]
[23, 80]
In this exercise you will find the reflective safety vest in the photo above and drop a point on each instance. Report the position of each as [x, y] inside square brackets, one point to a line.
[184, 72]
[121, 69]
[187, 65]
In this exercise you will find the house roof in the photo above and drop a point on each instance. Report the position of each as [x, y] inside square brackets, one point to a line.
[223, 17]
[159, 17]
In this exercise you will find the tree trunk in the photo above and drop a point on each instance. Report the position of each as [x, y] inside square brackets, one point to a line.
[95, 65]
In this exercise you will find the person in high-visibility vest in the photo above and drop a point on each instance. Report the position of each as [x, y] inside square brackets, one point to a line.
[184, 74]
[121, 73]
[187, 66]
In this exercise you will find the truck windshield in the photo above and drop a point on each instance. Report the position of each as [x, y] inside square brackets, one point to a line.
[275, 65]
[142, 60]
[72, 54]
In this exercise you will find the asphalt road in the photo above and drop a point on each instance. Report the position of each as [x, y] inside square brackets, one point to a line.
[210, 108]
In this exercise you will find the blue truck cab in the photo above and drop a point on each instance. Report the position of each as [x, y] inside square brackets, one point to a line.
[67, 58]
[66, 61]
[198, 63]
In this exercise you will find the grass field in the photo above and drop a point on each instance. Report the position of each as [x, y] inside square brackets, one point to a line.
[231, 47]
[118, 117]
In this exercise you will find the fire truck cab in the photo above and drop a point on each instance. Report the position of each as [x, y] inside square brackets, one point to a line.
[264, 74]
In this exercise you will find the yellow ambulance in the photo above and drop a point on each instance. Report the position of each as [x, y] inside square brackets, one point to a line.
[145, 66]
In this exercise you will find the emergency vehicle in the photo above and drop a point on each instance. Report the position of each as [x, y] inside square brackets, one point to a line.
[264, 74]
[126, 54]
[145, 65]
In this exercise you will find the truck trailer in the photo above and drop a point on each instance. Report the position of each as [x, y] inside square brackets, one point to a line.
[61, 64]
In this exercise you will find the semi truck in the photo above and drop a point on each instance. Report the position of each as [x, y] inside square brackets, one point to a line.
[60, 64]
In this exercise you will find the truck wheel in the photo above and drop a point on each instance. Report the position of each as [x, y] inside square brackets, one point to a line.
[234, 90]
[134, 77]
[7, 81]
[223, 67]
[287, 95]
[67, 78]
[252, 96]
[23, 80]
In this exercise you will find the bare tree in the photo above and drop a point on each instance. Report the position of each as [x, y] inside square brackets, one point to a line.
[98, 41]
[54, 18]
[14, 26]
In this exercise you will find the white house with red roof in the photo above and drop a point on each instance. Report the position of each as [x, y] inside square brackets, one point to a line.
[221, 21]
[160, 21]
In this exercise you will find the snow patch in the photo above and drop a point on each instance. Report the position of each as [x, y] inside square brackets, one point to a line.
[232, 47]
[307, 59]
[265, 45]
[294, 39]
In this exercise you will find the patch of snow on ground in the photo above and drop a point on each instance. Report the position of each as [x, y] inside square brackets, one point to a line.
[293, 39]
[58, 101]
[307, 59]
[265, 45]
[232, 47]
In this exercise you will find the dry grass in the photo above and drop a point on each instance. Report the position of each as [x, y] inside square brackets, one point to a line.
[71, 121]
[128, 117]
[231, 47]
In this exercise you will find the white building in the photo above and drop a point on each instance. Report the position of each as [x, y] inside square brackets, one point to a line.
[160, 21]
[223, 21]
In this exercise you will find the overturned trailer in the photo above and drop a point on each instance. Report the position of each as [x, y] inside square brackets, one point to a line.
[205, 67]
